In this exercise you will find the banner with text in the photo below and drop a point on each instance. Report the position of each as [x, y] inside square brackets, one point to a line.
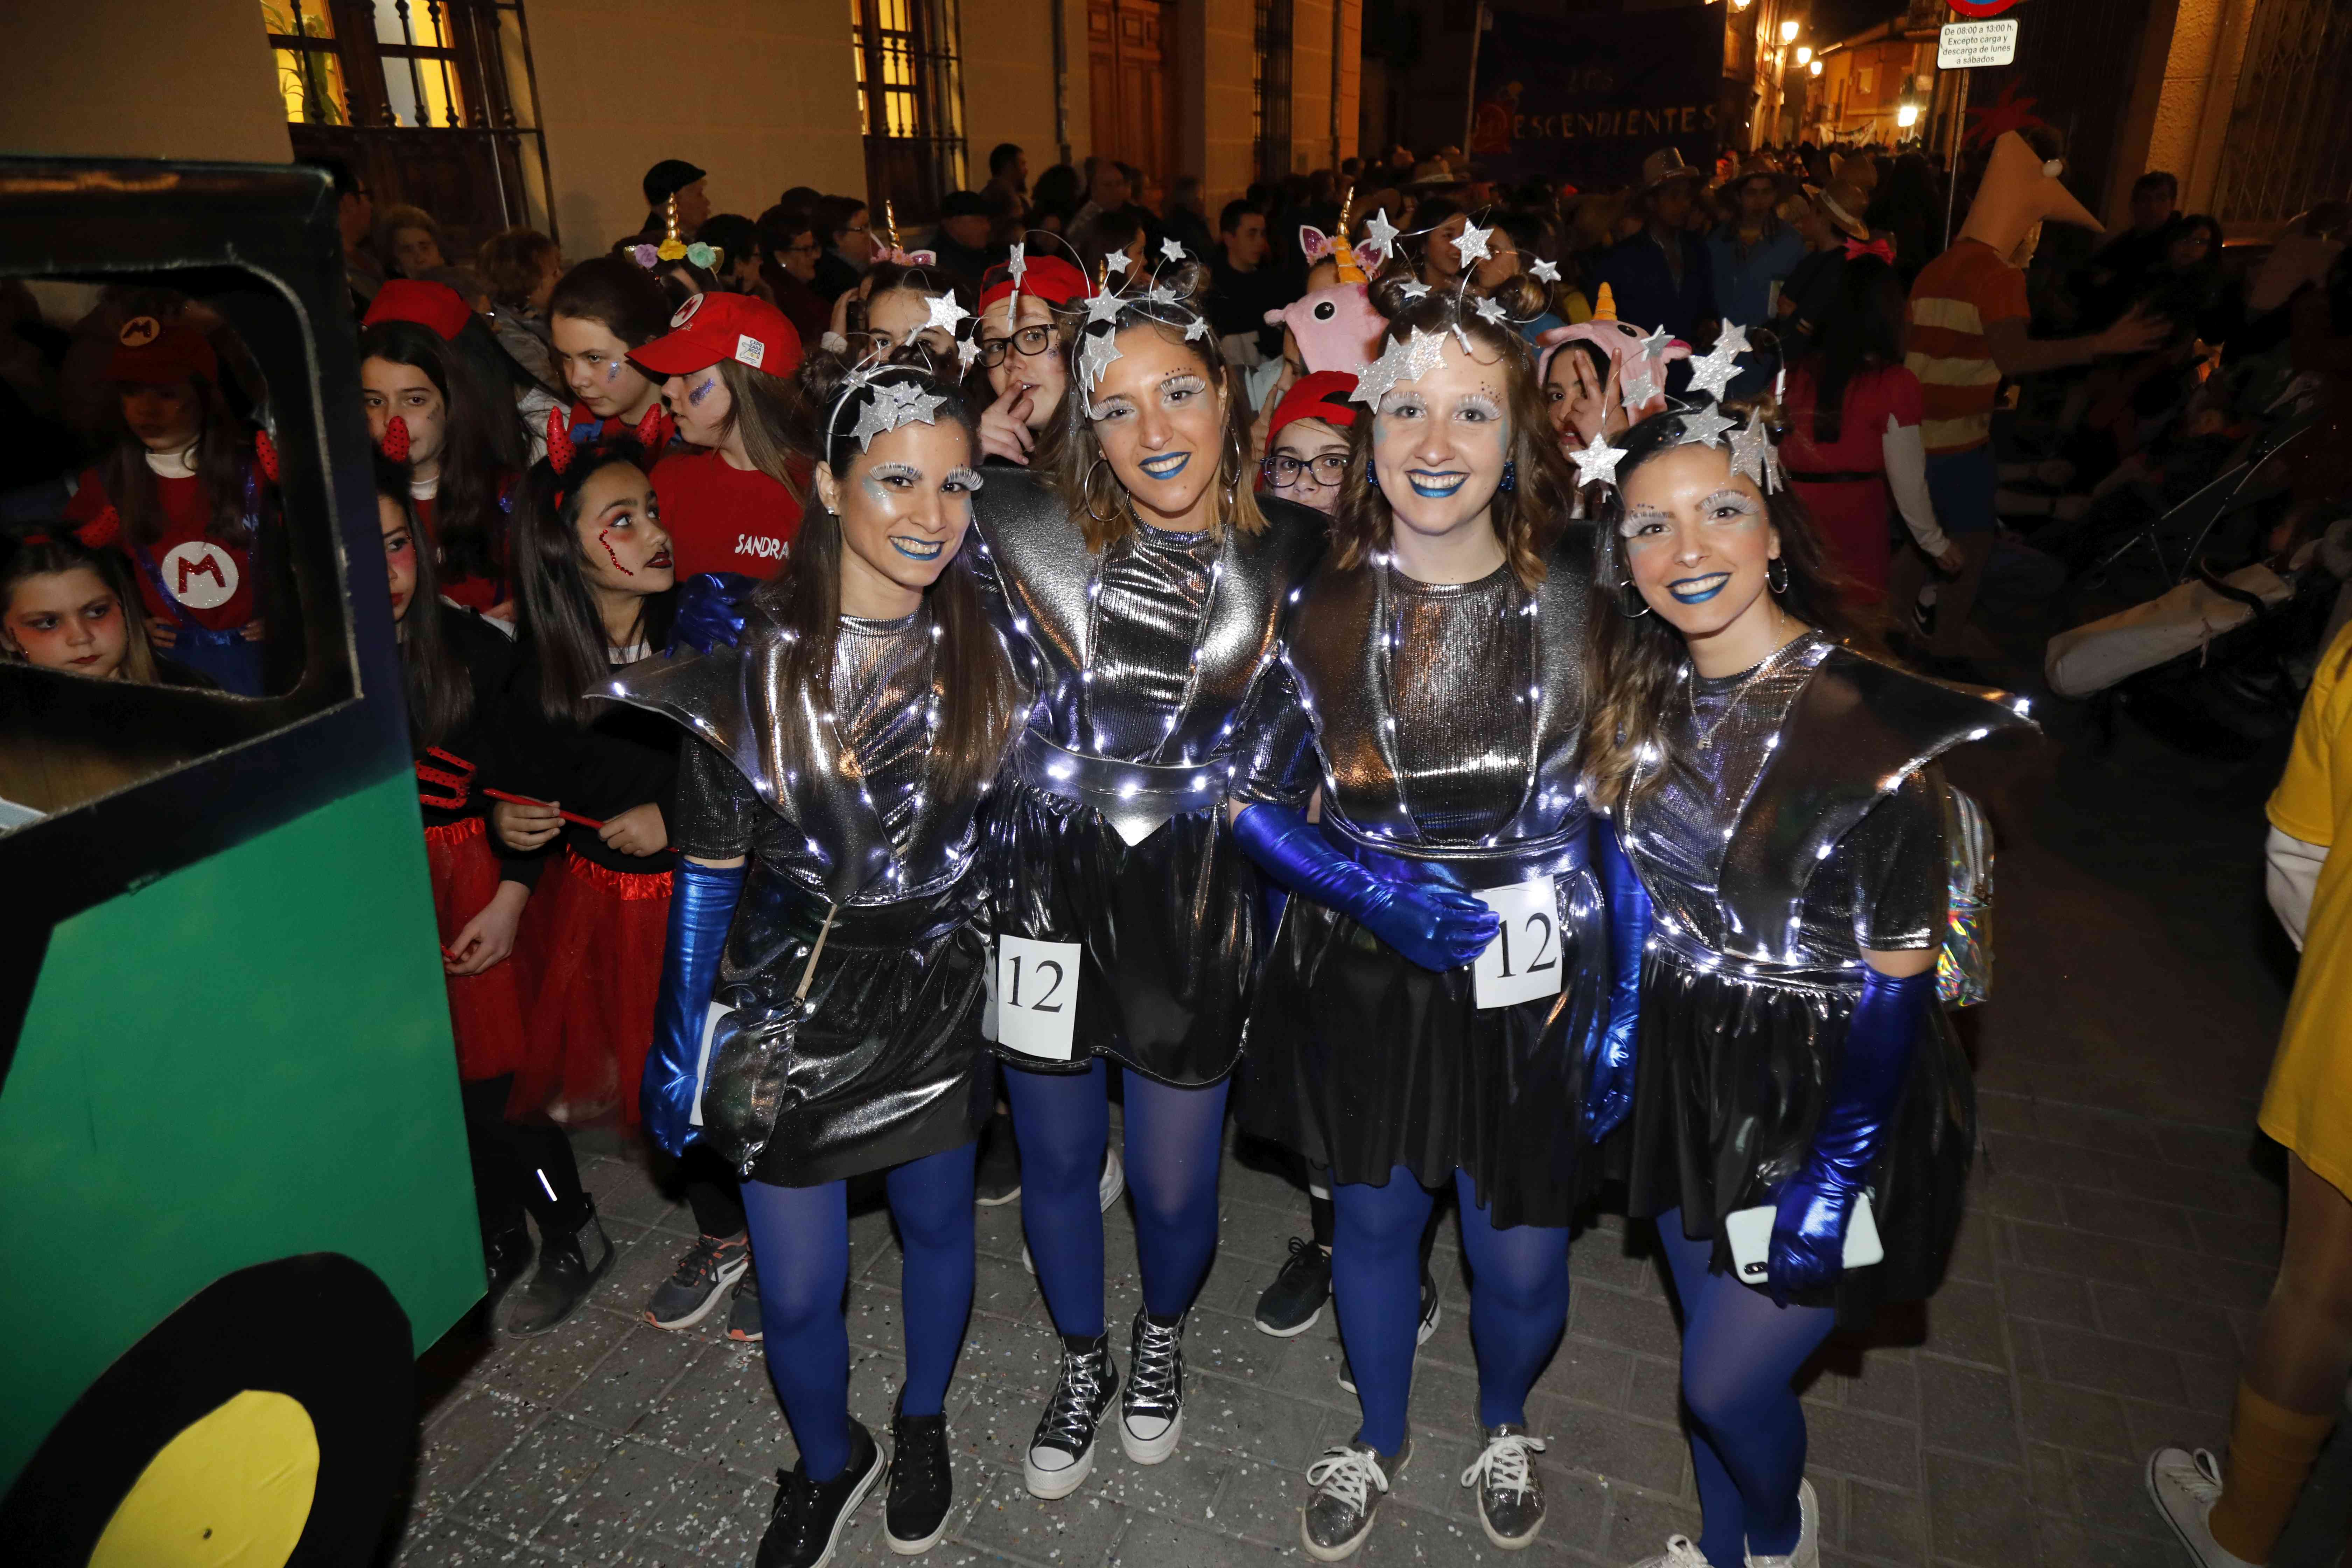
[1586, 99]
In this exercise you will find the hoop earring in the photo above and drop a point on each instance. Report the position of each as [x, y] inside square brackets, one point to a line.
[1631, 615]
[1510, 476]
[1240, 462]
[1783, 586]
[1087, 490]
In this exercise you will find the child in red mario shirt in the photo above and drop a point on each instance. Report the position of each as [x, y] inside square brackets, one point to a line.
[181, 496]
[733, 502]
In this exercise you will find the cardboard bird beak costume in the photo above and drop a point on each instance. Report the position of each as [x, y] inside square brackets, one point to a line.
[2021, 192]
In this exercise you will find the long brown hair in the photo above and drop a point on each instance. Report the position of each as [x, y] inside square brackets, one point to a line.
[1528, 517]
[559, 611]
[773, 419]
[54, 551]
[979, 708]
[1080, 455]
[224, 463]
[1634, 659]
[616, 294]
[440, 691]
[476, 455]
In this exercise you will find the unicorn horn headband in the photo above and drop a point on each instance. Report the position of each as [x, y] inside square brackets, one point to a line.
[1350, 270]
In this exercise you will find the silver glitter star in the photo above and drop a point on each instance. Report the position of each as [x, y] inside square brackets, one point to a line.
[1115, 263]
[1733, 338]
[1172, 250]
[1491, 310]
[1471, 246]
[945, 313]
[1637, 388]
[1379, 231]
[1597, 463]
[1544, 273]
[968, 352]
[1751, 450]
[1199, 329]
[1160, 295]
[1100, 348]
[1415, 290]
[1103, 307]
[1017, 265]
[1705, 428]
[1654, 345]
[1714, 373]
[1425, 353]
[901, 403]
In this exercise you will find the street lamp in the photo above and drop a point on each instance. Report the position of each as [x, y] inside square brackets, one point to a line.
[1907, 116]
[1805, 54]
[1790, 29]
[1815, 67]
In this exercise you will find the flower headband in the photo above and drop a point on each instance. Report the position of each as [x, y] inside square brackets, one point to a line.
[672, 249]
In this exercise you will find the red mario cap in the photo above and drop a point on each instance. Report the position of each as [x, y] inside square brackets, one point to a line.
[1322, 395]
[433, 305]
[147, 351]
[1049, 277]
[712, 327]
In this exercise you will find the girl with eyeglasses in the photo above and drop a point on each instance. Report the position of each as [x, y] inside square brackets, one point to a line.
[1021, 362]
[1307, 441]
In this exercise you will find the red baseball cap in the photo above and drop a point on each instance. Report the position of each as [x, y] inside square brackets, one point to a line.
[433, 305]
[1322, 395]
[712, 327]
[1049, 277]
[147, 351]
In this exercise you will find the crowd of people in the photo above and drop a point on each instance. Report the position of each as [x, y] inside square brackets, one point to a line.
[1411, 666]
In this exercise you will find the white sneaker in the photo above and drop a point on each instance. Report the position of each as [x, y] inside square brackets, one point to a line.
[1807, 1553]
[1679, 1554]
[1110, 1189]
[2185, 1486]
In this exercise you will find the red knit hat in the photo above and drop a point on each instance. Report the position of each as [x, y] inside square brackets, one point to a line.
[1321, 395]
[712, 327]
[433, 305]
[1049, 277]
[148, 351]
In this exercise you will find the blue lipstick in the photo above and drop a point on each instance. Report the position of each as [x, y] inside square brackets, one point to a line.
[916, 549]
[1435, 486]
[1699, 590]
[1165, 466]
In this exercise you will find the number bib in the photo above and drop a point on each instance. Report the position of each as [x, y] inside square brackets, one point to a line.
[1522, 962]
[1036, 997]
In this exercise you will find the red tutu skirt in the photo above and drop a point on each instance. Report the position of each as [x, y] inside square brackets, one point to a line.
[594, 971]
[484, 1009]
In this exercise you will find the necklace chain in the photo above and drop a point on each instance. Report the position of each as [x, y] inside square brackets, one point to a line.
[1731, 705]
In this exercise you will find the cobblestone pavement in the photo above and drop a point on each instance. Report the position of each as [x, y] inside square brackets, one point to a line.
[2122, 1232]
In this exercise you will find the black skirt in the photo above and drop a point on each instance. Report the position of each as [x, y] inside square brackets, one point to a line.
[1170, 931]
[879, 1065]
[1730, 1077]
[1362, 1060]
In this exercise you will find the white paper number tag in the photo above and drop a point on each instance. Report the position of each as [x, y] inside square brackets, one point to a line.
[1036, 997]
[702, 1062]
[1522, 962]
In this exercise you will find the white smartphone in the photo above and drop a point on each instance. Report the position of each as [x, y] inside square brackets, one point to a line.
[1750, 1231]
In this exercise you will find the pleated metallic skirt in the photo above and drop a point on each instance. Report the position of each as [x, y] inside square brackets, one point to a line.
[880, 1064]
[1168, 928]
[1361, 1060]
[1731, 1077]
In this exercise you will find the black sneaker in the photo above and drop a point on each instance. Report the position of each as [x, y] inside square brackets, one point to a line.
[708, 1267]
[505, 1258]
[1152, 1414]
[744, 1324]
[1293, 1303]
[809, 1516]
[1510, 1496]
[1430, 1313]
[921, 1486]
[1062, 1453]
[570, 1264]
[997, 1178]
[1350, 1481]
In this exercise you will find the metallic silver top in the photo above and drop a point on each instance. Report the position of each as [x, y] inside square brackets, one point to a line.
[1797, 817]
[1443, 717]
[829, 789]
[1145, 653]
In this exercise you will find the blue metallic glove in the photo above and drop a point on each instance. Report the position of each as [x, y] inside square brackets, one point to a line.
[1435, 926]
[710, 611]
[701, 907]
[1608, 1054]
[1808, 1230]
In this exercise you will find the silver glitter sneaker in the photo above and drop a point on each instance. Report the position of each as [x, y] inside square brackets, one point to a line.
[1350, 1481]
[1510, 1497]
[1807, 1553]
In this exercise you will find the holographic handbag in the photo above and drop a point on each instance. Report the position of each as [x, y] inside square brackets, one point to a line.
[1964, 967]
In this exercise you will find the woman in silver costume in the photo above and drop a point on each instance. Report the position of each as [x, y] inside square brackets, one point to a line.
[1800, 1100]
[1431, 692]
[1146, 583]
[825, 976]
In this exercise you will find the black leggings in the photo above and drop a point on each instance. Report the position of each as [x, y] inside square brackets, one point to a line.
[519, 1165]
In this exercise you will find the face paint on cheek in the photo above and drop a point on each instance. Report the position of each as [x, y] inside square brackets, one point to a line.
[607, 544]
[612, 370]
[695, 395]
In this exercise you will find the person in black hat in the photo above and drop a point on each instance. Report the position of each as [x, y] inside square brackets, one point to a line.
[962, 242]
[676, 177]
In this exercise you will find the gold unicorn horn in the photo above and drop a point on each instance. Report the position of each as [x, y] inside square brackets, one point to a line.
[1350, 270]
[1604, 307]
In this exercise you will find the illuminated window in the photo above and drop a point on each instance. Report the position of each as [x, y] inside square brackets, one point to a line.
[310, 71]
[910, 101]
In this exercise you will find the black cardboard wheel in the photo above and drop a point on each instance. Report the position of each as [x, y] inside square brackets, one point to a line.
[319, 1329]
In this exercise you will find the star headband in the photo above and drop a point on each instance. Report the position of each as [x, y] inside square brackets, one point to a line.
[893, 404]
[1704, 422]
[1104, 309]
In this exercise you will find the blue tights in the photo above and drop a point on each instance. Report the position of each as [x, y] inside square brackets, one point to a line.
[1740, 1354]
[799, 1244]
[1174, 1137]
[1518, 1300]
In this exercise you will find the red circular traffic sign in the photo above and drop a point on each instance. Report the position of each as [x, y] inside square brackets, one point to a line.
[1981, 8]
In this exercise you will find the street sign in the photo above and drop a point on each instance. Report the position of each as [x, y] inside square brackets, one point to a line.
[1982, 8]
[1970, 46]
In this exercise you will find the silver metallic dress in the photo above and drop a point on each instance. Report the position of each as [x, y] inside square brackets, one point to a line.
[1795, 820]
[827, 794]
[1115, 835]
[1442, 725]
